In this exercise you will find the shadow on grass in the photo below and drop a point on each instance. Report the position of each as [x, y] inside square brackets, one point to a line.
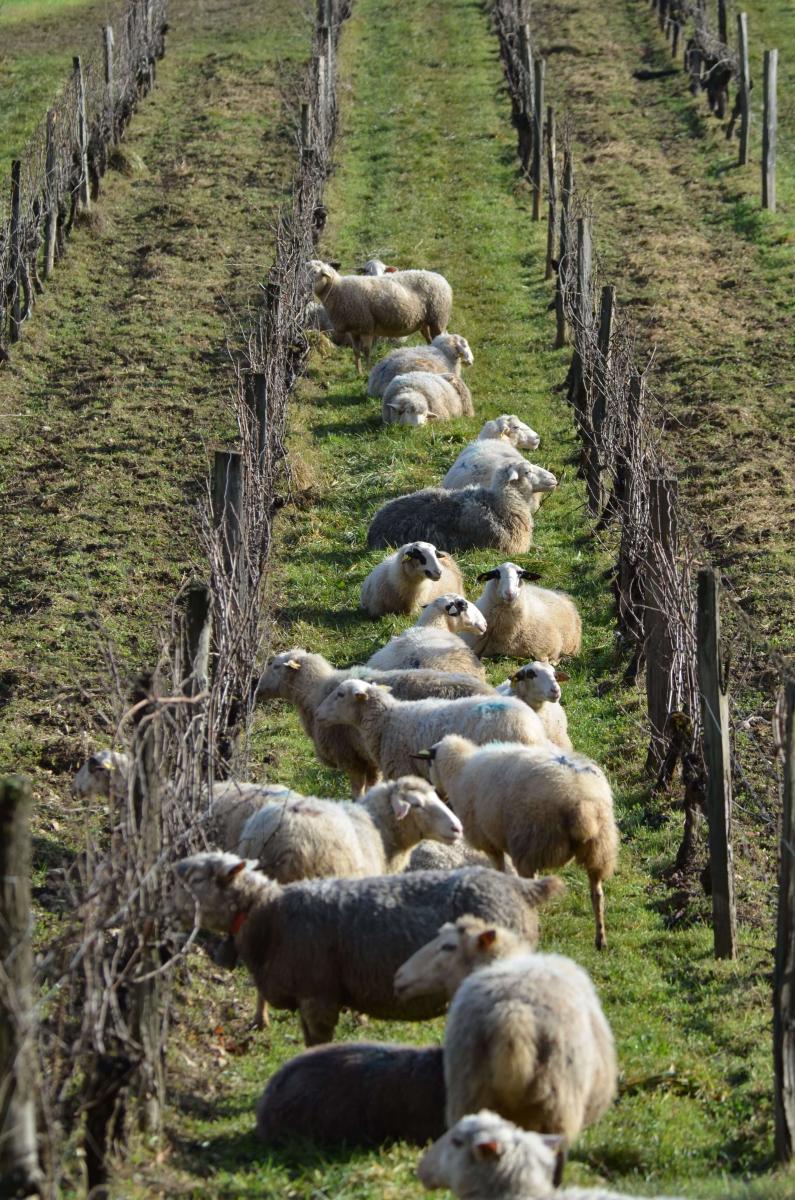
[236, 1151]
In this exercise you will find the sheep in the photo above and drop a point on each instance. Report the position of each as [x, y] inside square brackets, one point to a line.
[539, 805]
[421, 396]
[525, 621]
[498, 516]
[357, 1094]
[433, 642]
[485, 1157]
[445, 355]
[394, 731]
[323, 943]
[509, 429]
[102, 771]
[411, 577]
[305, 679]
[302, 837]
[478, 463]
[435, 856]
[538, 684]
[390, 305]
[316, 316]
[525, 1032]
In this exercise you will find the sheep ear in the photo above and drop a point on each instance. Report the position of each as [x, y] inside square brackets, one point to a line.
[442, 554]
[562, 677]
[487, 938]
[293, 664]
[432, 416]
[391, 270]
[391, 404]
[488, 1148]
[423, 755]
[493, 574]
[531, 576]
[335, 264]
[401, 808]
[228, 876]
[407, 557]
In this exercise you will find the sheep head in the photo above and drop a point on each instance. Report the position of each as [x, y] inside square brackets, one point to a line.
[279, 679]
[512, 430]
[347, 704]
[101, 770]
[459, 948]
[413, 800]
[214, 888]
[461, 616]
[421, 559]
[537, 682]
[506, 580]
[410, 409]
[483, 1153]
[321, 276]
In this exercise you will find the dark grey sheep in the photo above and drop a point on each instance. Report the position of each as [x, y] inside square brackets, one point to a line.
[355, 1093]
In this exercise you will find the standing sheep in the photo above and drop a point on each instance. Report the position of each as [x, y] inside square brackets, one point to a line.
[302, 837]
[318, 318]
[473, 517]
[433, 642]
[394, 731]
[485, 1157]
[324, 943]
[525, 621]
[445, 354]
[421, 396]
[305, 679]
[392, 305]
[355, 1094]
[540, 806]
[525, 1033]
[410, 578]
[537, 683]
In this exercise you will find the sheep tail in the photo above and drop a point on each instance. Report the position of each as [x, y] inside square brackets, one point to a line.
[539, 891]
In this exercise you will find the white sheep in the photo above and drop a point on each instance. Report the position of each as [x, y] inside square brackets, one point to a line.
[391, 305]
[433, 643]
[445, 354]
[479, 462]
[538, 684]
[509, 429]
[421, 396]
[410, 578]
[525, 621]
[473, 517]
[102, 771]
[302, 837]
[535, 803]
[394, 731]
[316, 316]
[525, 1033]
[485, 1157]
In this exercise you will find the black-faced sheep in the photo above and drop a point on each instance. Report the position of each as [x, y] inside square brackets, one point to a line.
[445, 354]
[525, 621]
[538, 684]
[410, 578]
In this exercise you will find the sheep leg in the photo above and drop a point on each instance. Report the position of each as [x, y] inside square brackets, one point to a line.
[598, 904]
[498, 859]
[425, 330]
[357, 352]
[318, 1019]
[261, 1016]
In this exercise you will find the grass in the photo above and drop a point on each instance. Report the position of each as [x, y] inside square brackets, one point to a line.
[426, 176]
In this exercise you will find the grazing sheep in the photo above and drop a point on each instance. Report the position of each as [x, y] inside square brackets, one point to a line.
[508, 428]
[433, 642]
[390, 305]
[302, 837]
[539, 805]
[305, 679]
[410, 578]
[324, 943]
[525, 1033]
[394, 731]
[445, 354]
[525, 621]
[479, 462]
[498, 516]
[538, 684]
[421, 396]
[102, 770]
[485, 1157]
[355, 1094]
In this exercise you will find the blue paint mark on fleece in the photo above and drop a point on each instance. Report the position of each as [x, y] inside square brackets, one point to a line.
[584, 769]
[493, 706]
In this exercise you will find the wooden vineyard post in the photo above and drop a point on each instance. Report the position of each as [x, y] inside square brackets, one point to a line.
[723, 28]
[745, 87]
[197, 628]
[578, 382]
[258, 402]
[770, 120]
[306, 129]
[228, 517]
[715, 721]
[784, 976]
[83, 195]
[322, 95]
[565, 202]
[657, 617]
[538, 136]
[527, 123]
[110, 99]
[594, 463]
[15, 238]
[20, 1173]
[51, 221]
[552, 192]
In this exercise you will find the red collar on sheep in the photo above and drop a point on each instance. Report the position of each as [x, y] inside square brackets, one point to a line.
[237, 922]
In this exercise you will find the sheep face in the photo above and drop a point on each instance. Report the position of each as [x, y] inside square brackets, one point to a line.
[321, 276]
[410, 410]
[345, 705]
[512, 430]
[477, 1147]
[461, 616]
[98, 772]
[414, 798]
[542, 481]
[212, 888]
[537, 682]
[279, 675]
[458, 345]
[507, 580]
[459, 948]
[421, 558]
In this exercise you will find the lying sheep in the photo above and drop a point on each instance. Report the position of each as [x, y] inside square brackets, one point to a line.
[305, 679]
[445, 354]
[394, 731]
[421, 396]
[525, 1033]
[410, 578]
[324, 943]
[479, 462]
[434, 856]
[433, 643]
[538, 684]
[301, 837]
[355, 1094]
[473, 517]
[538, 805]
[102, 771]
[391, 305]
[509, 429]
[485, 1157]
[525, 621]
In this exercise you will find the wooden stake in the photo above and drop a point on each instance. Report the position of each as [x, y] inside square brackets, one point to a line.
[594, 464]
[770, 121]
[715, 721]
[538, 137]
[745, 87]
[110, 99]
[552, 191]
[228, 505]
[14, 235]
[83, 196]
[565, 201]
[660, 558]
[51, 220]
[723, 28]
[784, 975]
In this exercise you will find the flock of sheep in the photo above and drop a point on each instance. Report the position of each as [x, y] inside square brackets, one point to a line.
[422, 892]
